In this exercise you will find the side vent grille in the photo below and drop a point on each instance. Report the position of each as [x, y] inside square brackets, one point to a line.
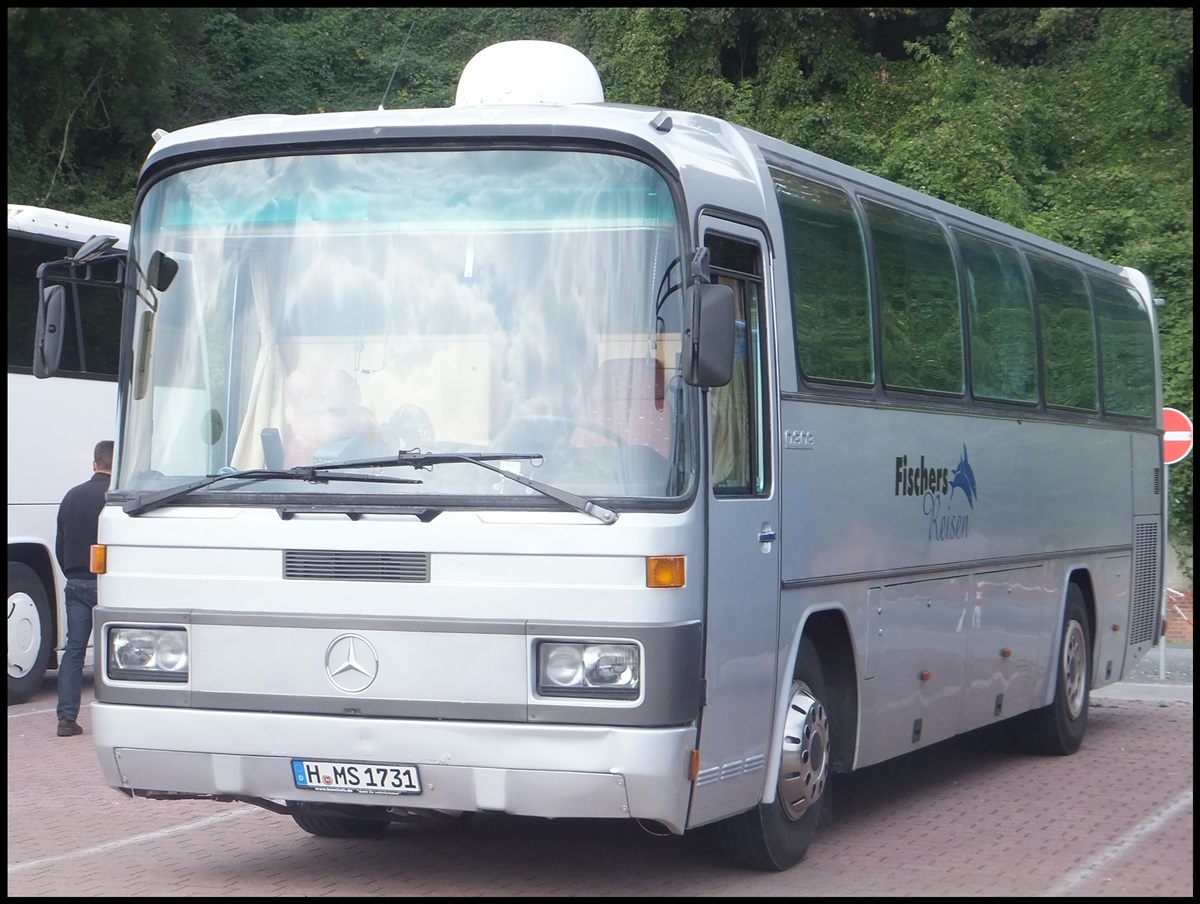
[1157, 481]
[1145, 584]
[355, 565]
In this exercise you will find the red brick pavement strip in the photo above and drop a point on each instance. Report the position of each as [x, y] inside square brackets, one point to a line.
[964, 819]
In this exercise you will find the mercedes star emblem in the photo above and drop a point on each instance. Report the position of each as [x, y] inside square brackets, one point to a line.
[351, 663]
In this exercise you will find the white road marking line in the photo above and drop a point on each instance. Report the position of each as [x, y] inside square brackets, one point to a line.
[1092, 866]
[138, 839]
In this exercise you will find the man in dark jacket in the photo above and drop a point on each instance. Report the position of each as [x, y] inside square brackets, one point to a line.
[78, 517]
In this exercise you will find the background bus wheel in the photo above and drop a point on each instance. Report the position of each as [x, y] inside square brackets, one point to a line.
[30, 633]
[776, 836]
[1058, 729]
[324, 825]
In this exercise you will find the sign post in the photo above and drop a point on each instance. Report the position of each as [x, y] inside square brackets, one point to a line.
[1177, 436]
[1177, 445]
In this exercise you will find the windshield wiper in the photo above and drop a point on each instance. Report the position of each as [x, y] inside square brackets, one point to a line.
[310, 473]
[414, 458]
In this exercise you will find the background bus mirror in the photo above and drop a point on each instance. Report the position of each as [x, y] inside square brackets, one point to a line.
[93, 248]
[48, 338]
[708, 341]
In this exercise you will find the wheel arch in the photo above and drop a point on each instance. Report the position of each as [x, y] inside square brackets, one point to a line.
[830, 633]
[1082, 578]
[1079, 576]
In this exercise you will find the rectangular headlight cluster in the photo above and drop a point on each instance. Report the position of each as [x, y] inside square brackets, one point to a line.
[596, 669]
[147, 654]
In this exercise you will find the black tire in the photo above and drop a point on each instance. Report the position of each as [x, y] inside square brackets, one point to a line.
[776, 836]
[30, 633]
[1058, 729]
[324, 825]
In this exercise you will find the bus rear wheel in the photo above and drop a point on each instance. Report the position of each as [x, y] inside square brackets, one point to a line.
[1058, 729]
[30, 629]
[776, 836]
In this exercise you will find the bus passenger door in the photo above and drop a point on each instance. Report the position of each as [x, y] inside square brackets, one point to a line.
[742, 620]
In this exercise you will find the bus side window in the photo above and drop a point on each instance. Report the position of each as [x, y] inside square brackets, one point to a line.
[1126, 350]
[918, 299]
[737, 411]
[1000, 325]
[1068, 336]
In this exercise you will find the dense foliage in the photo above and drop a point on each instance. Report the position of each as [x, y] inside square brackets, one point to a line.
[1075, 123]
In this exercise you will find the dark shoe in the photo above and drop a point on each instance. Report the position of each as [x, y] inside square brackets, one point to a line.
[68, 727]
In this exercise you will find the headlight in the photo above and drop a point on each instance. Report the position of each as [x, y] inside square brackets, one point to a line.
[147, 654]
[589, 669]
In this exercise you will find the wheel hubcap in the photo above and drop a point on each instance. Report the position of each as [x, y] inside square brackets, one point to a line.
[24, 634]
[1074, 668]
[805, 763]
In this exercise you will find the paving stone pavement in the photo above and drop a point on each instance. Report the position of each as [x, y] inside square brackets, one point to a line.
[967, 818]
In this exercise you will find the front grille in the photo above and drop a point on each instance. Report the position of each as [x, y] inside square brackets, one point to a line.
[355, 565]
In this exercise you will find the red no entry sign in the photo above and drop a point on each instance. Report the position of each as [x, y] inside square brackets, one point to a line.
[1177, 435]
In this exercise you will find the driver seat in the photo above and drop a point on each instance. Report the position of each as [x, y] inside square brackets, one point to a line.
[628, 399]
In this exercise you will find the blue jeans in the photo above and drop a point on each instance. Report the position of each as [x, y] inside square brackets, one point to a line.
[80, 601]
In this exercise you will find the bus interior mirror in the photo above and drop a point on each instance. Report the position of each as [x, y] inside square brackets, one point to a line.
[48, 338]
[708, 340]
[161, 271]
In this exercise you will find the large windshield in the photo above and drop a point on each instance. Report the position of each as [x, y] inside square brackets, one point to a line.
[337, 307]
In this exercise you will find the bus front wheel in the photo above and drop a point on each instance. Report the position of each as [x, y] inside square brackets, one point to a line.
[326, 825]
[776, 836]
[30, 629]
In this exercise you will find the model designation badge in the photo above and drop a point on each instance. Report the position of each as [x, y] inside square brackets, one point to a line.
[351, 663]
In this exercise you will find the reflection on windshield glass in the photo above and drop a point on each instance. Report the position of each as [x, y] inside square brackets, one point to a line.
[342, 307]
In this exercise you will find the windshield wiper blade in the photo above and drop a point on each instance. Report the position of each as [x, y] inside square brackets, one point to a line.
[414, 458]
[310, 473]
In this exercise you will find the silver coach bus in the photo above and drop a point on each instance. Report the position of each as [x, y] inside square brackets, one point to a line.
[550, 457]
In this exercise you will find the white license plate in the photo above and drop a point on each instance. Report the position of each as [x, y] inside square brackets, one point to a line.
[365, 778]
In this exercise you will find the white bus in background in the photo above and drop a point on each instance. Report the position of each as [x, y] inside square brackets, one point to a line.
[53, 427]
[544, 456]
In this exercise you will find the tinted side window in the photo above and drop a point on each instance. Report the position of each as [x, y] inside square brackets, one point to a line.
[1126, 350]
[919, 306]
[1068, 336]
[999, 322]
[828, 283]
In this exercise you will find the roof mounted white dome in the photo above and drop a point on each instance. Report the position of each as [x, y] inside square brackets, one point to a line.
[529, 72]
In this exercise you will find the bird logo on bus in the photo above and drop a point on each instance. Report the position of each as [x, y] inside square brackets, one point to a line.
[964, 479]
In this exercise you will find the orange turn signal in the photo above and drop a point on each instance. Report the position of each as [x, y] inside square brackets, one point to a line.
[665, 571]
[99, 559]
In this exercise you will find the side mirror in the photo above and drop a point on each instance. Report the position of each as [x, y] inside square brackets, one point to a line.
[48, 338]
[707, 358]
[161, 271]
